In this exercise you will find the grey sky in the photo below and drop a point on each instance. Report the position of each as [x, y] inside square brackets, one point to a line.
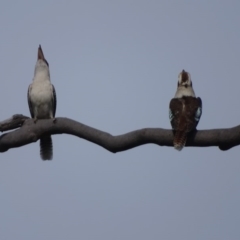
[114, 65]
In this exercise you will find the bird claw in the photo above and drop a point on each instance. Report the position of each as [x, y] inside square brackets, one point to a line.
[54, 120]
[35, 120]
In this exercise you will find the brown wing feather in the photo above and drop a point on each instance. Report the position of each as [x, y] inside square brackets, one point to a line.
[29, 101]
[184, 116]
[191, 107]
[175, 106]
[54, 101]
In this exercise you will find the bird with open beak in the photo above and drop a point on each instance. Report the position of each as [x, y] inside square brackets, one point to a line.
[42, 101]
[185, 110]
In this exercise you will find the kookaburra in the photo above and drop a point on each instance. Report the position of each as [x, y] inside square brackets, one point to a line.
[42, 101]
[185, 110]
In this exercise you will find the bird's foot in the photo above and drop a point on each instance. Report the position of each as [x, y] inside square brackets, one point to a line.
[54, 120]
[35, 120]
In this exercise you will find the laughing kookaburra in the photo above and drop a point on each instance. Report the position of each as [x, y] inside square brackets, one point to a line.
[185, 110]
[42, 101]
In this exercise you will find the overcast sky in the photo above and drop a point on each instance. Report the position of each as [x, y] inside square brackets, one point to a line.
[114, 65]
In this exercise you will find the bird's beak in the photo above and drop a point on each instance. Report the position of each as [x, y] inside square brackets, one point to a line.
[40, 53]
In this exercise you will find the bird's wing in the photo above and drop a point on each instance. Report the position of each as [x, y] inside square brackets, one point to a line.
[199, 110]
[193, 112]
[29, 101]
[175, 112]
[54, 99]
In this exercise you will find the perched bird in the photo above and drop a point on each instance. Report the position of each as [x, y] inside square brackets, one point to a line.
[185, 110]
[42, 101]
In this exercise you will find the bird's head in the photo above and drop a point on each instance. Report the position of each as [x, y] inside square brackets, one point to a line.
[184, 85]
[42, 66]
[184, 79]
[41, 59]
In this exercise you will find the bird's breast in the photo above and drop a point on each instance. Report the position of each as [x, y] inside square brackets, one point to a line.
[41, 92]
[42, 99]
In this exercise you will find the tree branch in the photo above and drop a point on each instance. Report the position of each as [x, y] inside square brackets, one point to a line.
[30, 132]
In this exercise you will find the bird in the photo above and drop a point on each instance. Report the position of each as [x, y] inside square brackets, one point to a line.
[185, 110]
[42, 101]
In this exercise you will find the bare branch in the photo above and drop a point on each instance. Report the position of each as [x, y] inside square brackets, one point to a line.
[30, 132]
[14, 122]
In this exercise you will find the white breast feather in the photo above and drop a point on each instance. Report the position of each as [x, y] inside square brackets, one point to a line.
[182, 91]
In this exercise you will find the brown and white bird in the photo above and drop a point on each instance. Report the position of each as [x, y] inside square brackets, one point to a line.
[185, 110]
[42, 101]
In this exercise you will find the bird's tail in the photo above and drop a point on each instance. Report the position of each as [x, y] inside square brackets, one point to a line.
[46, 148]
[179, 140]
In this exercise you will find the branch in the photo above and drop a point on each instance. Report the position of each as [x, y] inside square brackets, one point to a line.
[15, 121]
[30, 132]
